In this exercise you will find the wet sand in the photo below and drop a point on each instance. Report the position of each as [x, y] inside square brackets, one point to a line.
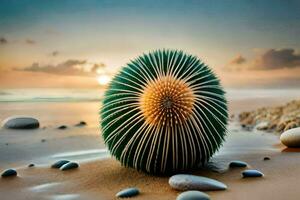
[101, 177]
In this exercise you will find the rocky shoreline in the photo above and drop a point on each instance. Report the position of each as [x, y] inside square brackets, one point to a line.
[273, 119]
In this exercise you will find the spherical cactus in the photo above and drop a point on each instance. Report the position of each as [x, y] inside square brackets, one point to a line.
[164, 112]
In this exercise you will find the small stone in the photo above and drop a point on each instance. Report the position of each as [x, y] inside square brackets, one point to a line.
[262, 125]
[192, 182]
[62, 127]
[247, 127]
[21, 123]
[9, 172]
[68, 166]
[193, 195]
[128, 192]
[267, 158]
[252, 173]
[59, 163]
[291, 137]
[43, 140]
[81, 123]
[31, 165]
[237, 163]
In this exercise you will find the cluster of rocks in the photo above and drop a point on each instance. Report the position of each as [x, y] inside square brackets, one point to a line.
[63, 165]
[193, 187]
[30, 123]
[279, 118]
[80, 124]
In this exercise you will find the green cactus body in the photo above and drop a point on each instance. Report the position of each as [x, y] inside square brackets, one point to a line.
[164, 112]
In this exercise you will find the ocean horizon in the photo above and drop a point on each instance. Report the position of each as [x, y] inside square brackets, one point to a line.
[94, 95]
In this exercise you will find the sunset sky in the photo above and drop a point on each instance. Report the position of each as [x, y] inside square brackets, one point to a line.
[71, 43]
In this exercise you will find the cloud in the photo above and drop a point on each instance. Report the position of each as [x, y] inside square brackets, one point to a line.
[55, 53]
[30, 41]
[98, 68]
[238, 60]
[277, 59]
[270, 59]
[3, 40]
[70, 67]
[236, 63]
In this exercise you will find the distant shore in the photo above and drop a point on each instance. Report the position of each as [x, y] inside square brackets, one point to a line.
[273, 118]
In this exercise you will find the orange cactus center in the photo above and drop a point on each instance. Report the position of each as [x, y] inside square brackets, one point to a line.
[167, 101]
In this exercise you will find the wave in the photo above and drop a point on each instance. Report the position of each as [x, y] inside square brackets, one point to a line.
[50, 95]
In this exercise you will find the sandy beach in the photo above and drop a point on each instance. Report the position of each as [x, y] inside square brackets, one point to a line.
[101, 177]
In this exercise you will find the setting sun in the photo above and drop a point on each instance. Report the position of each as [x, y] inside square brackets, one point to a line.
[103, 79]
